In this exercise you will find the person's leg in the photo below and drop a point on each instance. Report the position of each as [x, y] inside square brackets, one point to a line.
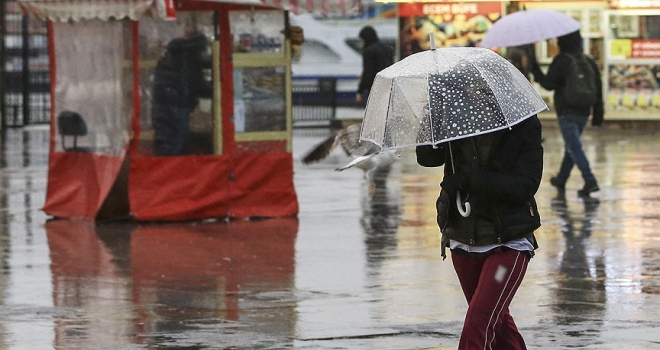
[488, 324]
[571, 127]
[182, 129]
[567, 162]
[565, 168]
[468, 269]
[165, 123]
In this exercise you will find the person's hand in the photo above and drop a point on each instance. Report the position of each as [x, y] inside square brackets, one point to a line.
[455, 182]
[358, 97]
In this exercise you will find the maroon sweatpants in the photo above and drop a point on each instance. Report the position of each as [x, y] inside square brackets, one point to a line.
[489, 281]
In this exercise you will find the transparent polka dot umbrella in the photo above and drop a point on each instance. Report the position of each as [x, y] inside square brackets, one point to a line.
[446, 94]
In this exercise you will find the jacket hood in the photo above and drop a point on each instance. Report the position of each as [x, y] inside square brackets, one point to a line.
[195, 42]
[368, 34]
[571, 42]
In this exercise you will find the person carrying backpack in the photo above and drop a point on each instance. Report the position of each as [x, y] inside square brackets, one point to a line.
[376, 56]
[575, 79]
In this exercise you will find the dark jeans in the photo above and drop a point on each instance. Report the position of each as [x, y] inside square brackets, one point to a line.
[170, 129]
[571, 127]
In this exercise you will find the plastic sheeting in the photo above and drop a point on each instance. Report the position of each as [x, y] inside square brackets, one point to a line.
[155, 37]
[93, 78]
[196, 187]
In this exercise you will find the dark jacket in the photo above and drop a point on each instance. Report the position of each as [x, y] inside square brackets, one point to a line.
[376, 56]
[555, 79]
[179, 76]
[501, 189]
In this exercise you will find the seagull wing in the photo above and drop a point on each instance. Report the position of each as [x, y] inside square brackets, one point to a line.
[349, 139]
[362, 162]
[321, 150]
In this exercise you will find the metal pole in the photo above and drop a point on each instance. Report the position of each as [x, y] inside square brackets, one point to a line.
[3, 62]
[25, 74]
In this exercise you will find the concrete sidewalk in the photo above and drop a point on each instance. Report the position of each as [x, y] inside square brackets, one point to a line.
[359, 268]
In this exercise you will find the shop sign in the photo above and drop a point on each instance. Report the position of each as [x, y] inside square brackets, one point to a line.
[645, 49]
[621, 48]
[635, 48]
[452, 24]
[634, 4]
[449, 8]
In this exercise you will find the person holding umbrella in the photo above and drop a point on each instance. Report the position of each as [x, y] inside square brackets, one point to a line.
[470, 110]
[500, 172]
[572, 115]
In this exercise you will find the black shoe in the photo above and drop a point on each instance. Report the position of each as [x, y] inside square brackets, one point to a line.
[555, 182]
[589, 186]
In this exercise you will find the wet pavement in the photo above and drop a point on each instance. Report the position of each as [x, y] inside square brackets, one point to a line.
[359, 268]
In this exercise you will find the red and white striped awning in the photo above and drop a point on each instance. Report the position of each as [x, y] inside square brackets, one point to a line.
[66, 10]
[328, 8]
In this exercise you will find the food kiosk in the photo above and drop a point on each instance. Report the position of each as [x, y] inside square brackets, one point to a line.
[232, 143]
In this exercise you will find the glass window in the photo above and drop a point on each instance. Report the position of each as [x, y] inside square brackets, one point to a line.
[260, 101]
[257, 31]
[624, 26]
[176, 85]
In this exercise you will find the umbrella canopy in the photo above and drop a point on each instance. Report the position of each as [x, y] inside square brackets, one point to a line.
[529, 26]
[446, 94]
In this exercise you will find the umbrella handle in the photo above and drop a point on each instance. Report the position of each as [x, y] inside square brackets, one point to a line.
[465, 212]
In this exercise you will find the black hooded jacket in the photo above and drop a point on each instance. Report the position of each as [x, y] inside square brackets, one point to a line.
[376, 56]
[555, 79]
[501, 188]
[179, 76]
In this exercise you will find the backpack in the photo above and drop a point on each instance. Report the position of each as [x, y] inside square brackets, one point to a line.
[580, 87]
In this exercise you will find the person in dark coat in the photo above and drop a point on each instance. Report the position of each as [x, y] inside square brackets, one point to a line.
[498, 173]
[376, 56]
[519, 56]
[178, 84]
[572, 119]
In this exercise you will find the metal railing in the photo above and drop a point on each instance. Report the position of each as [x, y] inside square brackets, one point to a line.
[314, 102]
[24, 69]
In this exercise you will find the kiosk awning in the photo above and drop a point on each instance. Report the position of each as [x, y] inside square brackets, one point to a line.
[66, 10]
[76, 10]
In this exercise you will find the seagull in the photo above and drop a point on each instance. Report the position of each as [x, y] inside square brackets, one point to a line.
[366, 155]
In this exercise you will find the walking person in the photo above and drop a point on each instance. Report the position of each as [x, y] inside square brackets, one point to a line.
[573, 115]
[499, 173]
[376, 56]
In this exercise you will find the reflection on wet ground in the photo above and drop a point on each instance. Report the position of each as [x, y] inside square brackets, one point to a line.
[359, 268]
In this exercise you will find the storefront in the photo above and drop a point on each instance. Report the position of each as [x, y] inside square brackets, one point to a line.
[632, 60]
[624, 38]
